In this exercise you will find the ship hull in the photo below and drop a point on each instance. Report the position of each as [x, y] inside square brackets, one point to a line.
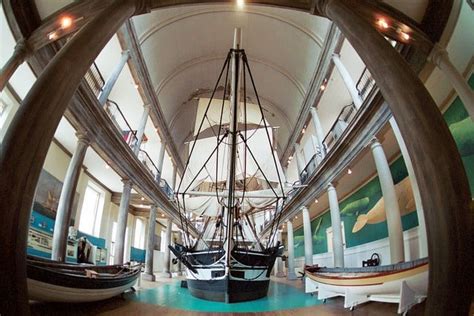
[247, 278]
[228, 290]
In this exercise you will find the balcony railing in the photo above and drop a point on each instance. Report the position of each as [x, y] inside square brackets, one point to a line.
[94, 79]
[146, 160]
[119, 120]
[343, 119]
[365, 84]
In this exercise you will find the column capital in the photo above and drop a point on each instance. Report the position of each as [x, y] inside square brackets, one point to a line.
[126, 182]
[374, 142]
[126, 53]
[147, 106]
[336, 56]
[331, 186]
[82, 138]
[319, 7]
[438, 55]
[22, 48]
[142, 7]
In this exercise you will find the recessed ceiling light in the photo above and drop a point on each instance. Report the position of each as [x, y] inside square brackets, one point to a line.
[52, 36]
[316, 201]
[349, 171]
[382, 23]
[66, 22]
[142, 198]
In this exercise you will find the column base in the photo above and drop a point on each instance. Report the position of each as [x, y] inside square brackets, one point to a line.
[149, 277]
[291, 276]
[164, 275]
[280, 274]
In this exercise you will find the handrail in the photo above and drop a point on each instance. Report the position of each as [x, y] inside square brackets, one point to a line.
[157, 172]
[352, 109]
[365, 83]
[109, 112]
[94, 78]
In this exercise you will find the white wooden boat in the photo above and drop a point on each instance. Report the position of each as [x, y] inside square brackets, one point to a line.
[403, 283]
[51, 281]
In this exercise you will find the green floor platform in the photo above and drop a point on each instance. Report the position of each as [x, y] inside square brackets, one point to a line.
[280, 296]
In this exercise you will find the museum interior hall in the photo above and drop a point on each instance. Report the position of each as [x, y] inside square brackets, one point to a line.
[275, 157]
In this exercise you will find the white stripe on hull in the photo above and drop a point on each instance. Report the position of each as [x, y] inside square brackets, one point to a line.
[40, 291]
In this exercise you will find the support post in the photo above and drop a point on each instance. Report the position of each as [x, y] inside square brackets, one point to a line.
[161, 158]
[308, 237]
[279, 261]
[150, 247]
[167, 258]
[337, 244]
[447, 206]
[348, 82]
[109, 84]
[33, 128]
[392, 209]
[319, 133]
[19, 55]
[64, 213]
[141, 128]
[122, 222]
[291, 275]
[439, 56]
[422, 238]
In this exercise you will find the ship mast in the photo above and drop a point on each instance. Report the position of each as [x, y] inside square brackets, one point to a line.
[236, 68]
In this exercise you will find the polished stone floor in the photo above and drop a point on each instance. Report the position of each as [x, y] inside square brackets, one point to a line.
[166, 297]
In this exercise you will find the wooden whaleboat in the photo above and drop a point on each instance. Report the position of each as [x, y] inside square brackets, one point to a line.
[403, 283]
[51, 281]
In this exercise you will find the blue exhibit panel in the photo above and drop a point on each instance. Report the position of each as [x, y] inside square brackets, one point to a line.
[137, 254]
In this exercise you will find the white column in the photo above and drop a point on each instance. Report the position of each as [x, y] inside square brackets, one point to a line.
[337, 245]
[141, 128]
[122, 222]
[392, 210]
[422, 238]
[173, 179]
[166, 269]
[349, 83]
[161, 157]
[291, 275]
[318, 133]
[439, 56]
[64, 213]
[308, 237]
[109, 84]
[150, 246]
[299, 160]
[279, 261]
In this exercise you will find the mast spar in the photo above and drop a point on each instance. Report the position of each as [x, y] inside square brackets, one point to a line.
[234, 103]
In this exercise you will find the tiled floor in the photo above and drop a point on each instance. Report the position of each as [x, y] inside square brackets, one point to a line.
[165, 297]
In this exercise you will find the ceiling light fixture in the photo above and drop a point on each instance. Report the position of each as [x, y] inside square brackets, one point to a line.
[142, 198]
[316, 201]
[405, 36]
[382, 23]
[107, 166]
[323, 87]
[66, 22]
[52, 36]
[349, 171]
[240, 3]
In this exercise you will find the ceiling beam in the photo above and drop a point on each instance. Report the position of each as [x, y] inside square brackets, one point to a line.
[128, 39]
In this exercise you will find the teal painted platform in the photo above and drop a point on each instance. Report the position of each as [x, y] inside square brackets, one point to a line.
[280, 296]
